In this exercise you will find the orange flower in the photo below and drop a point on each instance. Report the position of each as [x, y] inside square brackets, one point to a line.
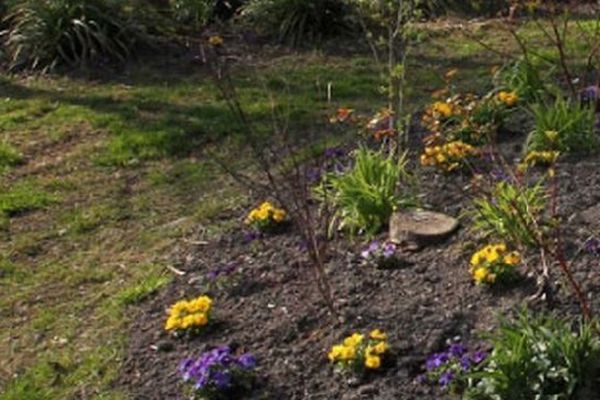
[342, 115]
[383, 133]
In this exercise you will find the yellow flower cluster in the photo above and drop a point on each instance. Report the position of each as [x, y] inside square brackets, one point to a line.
[538, 158]
[266, 214]
[508, 98]
[359, 351]
[447, 157]
[188, 314]
[442, 108]
[215, 40]
[492, 262]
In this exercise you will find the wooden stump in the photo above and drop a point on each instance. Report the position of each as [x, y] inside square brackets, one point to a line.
[421, 227]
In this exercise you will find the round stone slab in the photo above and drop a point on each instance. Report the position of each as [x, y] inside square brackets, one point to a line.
[421, 226]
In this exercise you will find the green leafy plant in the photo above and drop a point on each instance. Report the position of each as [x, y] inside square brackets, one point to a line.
[365, 196]
[44, 33]
[563, 126]
[194, 12]
[525, 79]
[298, 21]
[511, 212]
[389, 29]
[539, 358]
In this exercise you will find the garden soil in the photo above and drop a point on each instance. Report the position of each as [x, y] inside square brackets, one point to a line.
[275, 311]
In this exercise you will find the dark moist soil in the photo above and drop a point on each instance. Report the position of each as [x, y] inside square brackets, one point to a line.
[276, 312]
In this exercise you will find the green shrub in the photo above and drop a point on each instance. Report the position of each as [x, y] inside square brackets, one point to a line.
[193, 12]
[540, 358]
[44, 33]
[511, 212]
[563, 126]
[365, 196]
[298, 21]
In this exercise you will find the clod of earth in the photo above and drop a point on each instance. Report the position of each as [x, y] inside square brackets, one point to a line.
[421, 227]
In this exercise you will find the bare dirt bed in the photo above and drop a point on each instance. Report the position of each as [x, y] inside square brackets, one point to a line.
[276, 313]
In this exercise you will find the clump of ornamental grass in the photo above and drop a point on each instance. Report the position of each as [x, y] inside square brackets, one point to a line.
[42, 34]
[511, 211]
[494, 264]
[380, 254]
[563, 126]
[359, 353]
[189, 316]
[365, 196]
[451, 369]
[219, 374]
[266, 217]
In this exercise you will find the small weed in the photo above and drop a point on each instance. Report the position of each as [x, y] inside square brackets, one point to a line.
[140, 292]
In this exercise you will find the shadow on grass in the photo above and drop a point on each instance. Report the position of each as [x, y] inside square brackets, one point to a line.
[181, 116]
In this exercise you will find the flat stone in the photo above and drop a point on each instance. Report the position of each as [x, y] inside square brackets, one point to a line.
[421, 226]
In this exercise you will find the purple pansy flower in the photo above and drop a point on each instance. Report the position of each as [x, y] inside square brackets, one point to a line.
[222, 379]
[478, 357]
[446, 378]
[216, 369]
[437, 360]
[457, 349]
[389, 249]
[247, 361]
[465, 362]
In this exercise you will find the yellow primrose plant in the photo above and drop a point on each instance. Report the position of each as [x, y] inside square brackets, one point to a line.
[493, 264]
[189, 316]
[266, 217]
[359, 352]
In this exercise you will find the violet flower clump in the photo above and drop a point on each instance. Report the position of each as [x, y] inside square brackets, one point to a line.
[334, 152]
[217, 372]
[380, 254]
[449, 369]
[592, 246]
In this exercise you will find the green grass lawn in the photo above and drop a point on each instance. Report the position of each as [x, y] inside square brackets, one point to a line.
[100, 178]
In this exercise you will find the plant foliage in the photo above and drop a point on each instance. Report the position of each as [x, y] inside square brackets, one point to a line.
[540, 358]
[365, 196]
[563, 126]
[511, 212]
[45, 33]
[299, 21]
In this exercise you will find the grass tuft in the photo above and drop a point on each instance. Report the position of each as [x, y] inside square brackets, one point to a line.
[142, 291]
[23, 197]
